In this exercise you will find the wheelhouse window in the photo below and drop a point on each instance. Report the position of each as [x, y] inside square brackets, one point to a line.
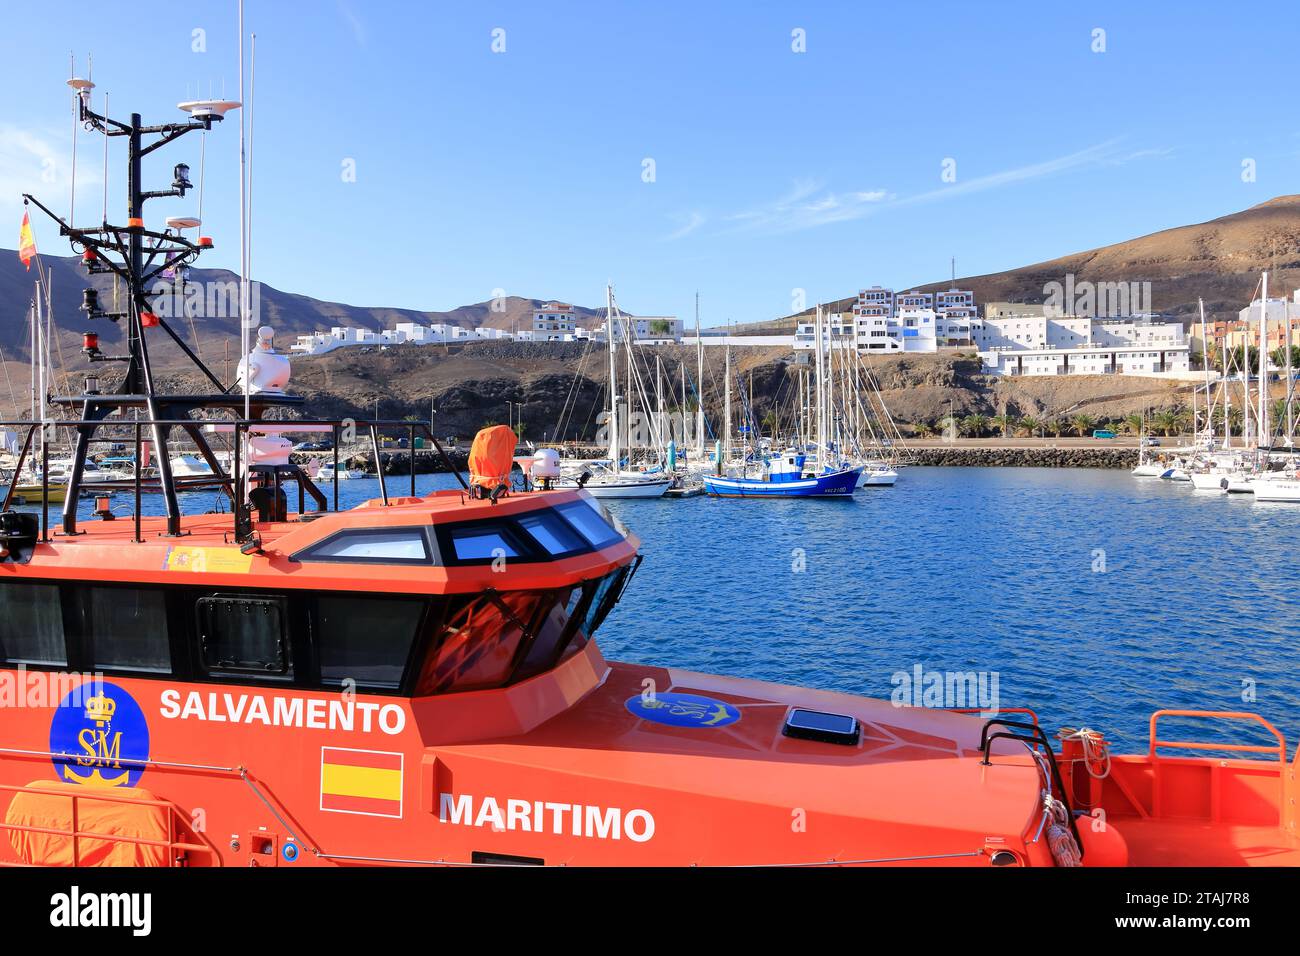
[553, 534]
[602, 602]
[481, 542]
[365, 639]
[31, 625]
[379, 545]
[554, 632]
[479, 641]
[244, 635]
[127, 628]
[590, 523]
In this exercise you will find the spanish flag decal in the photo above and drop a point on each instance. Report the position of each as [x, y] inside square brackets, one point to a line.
[26, 242]
[361, 781]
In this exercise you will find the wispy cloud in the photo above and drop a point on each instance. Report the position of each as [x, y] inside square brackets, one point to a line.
[38, 162]
[353, 22]
[1106, 154]
[690, 223]
[808, 204]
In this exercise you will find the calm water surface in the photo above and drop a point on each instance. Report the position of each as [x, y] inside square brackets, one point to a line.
[1096, 597]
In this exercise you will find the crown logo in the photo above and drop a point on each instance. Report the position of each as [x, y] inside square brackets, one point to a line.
[100, 709]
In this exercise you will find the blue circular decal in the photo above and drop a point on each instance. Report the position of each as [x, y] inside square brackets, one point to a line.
[683, 710]
[102, 735]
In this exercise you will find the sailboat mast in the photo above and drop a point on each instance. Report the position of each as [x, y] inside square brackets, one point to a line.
[1290, 378]
[726, 404]
[613, 377]
[1205, 361]
[818, 386]
[699, 381]
[1265, 432]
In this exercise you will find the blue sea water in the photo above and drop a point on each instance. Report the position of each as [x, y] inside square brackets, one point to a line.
[1096, 597]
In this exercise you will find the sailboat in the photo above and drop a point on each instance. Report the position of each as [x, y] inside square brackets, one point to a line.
[607, 479]
[787, 475]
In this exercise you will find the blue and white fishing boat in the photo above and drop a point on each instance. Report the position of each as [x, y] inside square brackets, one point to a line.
[784, 477]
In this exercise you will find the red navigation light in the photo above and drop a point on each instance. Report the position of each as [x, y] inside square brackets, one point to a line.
[104, 507]
[90, 341]
[88, 258]
[148, 320]
[135, 223]
[205, 242]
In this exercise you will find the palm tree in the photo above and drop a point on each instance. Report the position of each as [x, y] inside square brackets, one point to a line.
[1004, 423]
[1082, 424]
[974, 425]
[950, 425]
[1029, 425]
[924, 429]
[1134, 422]
[1165, 422]
[1055, 427]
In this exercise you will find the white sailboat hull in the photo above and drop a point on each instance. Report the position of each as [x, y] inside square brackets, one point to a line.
[1214, 481]
[1276, 490]
[878, 479]
[622, 487]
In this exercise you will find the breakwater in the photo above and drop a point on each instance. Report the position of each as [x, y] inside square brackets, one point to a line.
[1039, 457]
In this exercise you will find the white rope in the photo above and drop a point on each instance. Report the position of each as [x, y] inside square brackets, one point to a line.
[1094, 747]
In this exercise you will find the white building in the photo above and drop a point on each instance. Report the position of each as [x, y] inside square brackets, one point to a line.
[883, 321]
[837, 332]
[318, 343]
[1069, 345]
[554, 322]
[645, 330]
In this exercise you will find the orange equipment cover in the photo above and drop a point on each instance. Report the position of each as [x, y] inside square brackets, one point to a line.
[120, 816]
[491, 456]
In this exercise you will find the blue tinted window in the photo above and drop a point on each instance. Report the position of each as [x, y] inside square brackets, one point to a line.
[590, 523]
[473, 544]
[552, 533]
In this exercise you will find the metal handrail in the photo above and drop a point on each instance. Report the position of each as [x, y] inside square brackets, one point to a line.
[234, 484]
[76, 834]
[1278, 750]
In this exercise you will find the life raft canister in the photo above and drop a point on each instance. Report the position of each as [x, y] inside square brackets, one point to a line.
[491, 457]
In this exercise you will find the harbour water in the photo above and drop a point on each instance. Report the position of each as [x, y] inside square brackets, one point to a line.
[1095, 597]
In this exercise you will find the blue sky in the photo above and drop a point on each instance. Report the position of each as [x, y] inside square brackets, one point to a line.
[774, 170]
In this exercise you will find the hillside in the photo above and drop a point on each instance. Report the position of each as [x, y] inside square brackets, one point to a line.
[290, 313]
[1219, 261]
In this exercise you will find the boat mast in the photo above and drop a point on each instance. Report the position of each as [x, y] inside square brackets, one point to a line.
[726, 404]
[1265, 432]
[683, 429]
[613, 377]
[818, 386]
[699, 381]
[1205, 361]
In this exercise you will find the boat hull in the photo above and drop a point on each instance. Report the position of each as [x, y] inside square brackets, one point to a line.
[629, 489]
[1276, 490]
[835, 485]
[1210, 481]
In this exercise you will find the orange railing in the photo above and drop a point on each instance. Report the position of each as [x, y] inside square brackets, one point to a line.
[1278, 750]
[174, 848]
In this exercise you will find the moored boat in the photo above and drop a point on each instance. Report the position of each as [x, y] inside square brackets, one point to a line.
[783, 476]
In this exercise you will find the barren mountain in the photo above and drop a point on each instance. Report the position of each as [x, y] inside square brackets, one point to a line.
[1219, 261]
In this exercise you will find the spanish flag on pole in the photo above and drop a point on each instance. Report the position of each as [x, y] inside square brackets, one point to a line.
[26, 242]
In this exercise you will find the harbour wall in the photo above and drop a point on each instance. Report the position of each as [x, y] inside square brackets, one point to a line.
[1024, 457]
